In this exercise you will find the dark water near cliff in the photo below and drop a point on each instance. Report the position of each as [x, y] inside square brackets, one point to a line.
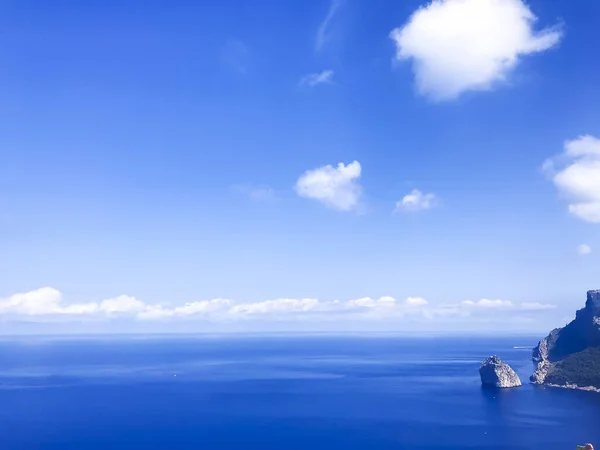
[279, 393]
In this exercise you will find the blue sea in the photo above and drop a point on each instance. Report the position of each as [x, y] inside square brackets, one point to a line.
[284, 393]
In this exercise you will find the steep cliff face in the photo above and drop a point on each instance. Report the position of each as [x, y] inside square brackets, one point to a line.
[542, 351]
[568, 356]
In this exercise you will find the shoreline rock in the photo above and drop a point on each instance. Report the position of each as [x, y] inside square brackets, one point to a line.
[495, 372]
[541, 372]
[574, 387]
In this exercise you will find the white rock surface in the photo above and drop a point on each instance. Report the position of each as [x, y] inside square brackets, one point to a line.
[495, 372]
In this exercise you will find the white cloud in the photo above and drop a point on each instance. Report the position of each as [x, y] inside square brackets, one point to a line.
[121, 304]
[487, 303]
[49, 301]
[323, 33]
[364, 302]
[41, 301]
[576, 175]
[584, 249]
[314, 79]
[416, 201]
[189, 309]
[371, 303]
[583, 146]
[282, 305]
[415, 301]
[535, 306]
[336, 187]
[468, 45]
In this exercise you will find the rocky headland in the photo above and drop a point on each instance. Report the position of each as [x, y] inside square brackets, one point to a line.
[496, 373]
[569, 357]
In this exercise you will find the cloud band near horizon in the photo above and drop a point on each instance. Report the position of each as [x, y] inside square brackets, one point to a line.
[48, 303]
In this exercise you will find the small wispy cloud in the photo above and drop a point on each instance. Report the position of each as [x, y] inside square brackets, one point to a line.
[536, 306]
[235, 55]
[416, 201]
[314, 79]
[497, 304]
[259, 193]
[584, 249]
[323, 32]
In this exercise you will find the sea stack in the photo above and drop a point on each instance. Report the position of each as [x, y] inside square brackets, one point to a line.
[496, 373]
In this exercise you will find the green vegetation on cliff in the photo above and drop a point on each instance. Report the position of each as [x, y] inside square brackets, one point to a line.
[582, 369]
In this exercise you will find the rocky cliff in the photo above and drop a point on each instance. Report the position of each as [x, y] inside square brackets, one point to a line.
[495, 372]
[570, 356]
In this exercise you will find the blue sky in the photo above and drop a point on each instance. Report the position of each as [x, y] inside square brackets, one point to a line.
[158, 155]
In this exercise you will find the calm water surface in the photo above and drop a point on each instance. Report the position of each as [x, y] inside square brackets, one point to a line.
[279, 393]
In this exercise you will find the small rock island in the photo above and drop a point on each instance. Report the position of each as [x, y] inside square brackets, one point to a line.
[496, 373]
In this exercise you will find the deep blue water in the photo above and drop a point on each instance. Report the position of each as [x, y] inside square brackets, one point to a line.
[279, 393]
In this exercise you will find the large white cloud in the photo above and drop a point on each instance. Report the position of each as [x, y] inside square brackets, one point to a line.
[468, 45]
[576, 174]
[39, 302]
[49, 301]
[336, 187]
